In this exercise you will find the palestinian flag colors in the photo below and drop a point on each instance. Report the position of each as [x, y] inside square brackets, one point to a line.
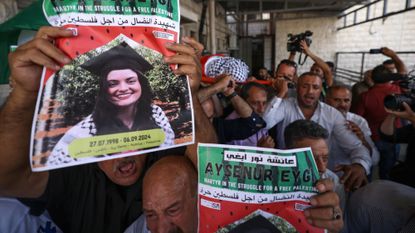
[252, 189]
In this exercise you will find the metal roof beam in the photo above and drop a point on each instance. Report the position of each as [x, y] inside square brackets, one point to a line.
[232, 5]
[291, 10]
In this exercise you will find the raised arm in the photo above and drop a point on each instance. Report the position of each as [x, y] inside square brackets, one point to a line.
[400, 66]
[189, 64]
[328, 76]
[215, 88]
[291, 57]
[240, 105]
[280, 86]
[388, 125]
[16, 177]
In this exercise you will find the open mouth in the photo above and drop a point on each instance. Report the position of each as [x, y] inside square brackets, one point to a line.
[309, 98]
[126, 168]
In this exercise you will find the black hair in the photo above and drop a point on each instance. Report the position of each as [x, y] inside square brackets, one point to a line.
[244, 92]
[330, 90]
[302, 129]
[331, 65]
[388, 62]
[379, 72]
[105, 117]
[309, 73]
[257, 72]
[288, 63]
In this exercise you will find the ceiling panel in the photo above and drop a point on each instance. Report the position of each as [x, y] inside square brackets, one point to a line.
[281, 6]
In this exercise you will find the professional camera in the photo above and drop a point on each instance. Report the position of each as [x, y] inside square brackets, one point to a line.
[293, 43]
[394, 102]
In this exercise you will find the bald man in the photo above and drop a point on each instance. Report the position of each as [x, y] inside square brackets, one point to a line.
[169, 198]
[340, 98]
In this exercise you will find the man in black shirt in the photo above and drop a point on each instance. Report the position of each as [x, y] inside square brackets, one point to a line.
[99, 197]
[105, 196]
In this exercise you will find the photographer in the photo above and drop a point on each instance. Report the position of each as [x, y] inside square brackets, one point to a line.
[398, 63]
[371, 108]
[285, 79]
[319, 67]
[403, 173]
[360, 87]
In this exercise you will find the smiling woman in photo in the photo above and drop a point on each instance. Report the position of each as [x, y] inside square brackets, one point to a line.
[124, 101]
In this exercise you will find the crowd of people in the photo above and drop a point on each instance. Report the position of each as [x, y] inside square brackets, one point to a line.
[348, 129]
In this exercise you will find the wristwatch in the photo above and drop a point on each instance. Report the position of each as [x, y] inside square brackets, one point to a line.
[229, 97]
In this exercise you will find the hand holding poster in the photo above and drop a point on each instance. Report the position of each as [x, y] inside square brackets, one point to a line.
[251, 189]
[117, 97]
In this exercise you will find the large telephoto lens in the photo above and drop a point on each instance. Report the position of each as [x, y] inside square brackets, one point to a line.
[394, 102]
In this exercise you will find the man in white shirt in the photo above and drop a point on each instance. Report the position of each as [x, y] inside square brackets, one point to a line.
[305, 133]
[16, 217]
[307, 106]
[340, 97]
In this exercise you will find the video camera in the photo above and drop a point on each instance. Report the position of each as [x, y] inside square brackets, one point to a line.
[293, 43]
[394, 102]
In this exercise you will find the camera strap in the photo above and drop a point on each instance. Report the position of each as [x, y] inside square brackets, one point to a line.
[299, 59]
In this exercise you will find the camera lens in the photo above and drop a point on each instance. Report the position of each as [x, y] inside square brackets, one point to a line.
[394, 102]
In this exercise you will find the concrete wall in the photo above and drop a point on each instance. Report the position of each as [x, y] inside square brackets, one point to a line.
[259, 28]
[324, 38]
[192, 12]
[396, 32]
[268, 52]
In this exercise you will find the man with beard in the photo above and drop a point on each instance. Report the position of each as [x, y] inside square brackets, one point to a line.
[340, 98]
[320, 68]
[98, 197]
[307, 106]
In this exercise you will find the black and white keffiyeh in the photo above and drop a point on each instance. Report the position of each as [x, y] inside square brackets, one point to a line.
[227, 65]
[86, 128]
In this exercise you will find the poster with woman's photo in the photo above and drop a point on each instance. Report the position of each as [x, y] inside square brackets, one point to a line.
[254, 189]
[117, 97]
